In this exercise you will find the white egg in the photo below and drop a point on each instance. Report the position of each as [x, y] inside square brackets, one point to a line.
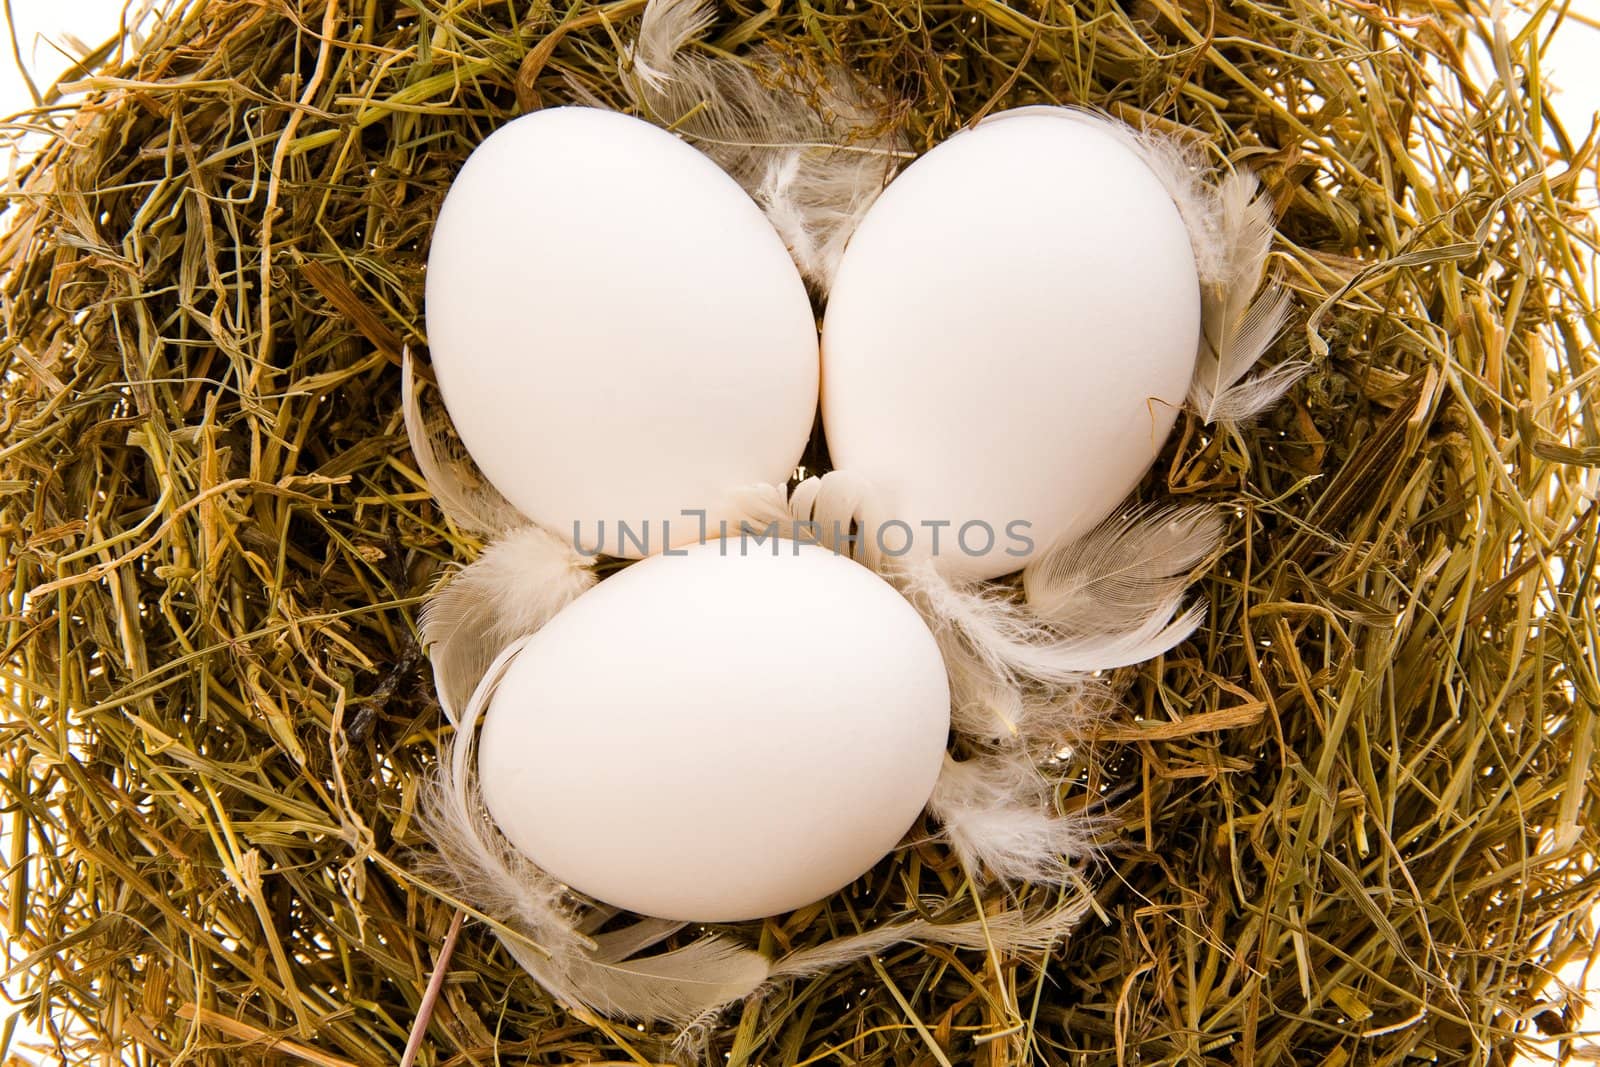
[1008, 340]
[619, 334]
[719, 735]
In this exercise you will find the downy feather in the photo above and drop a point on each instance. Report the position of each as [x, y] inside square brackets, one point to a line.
[994, 653]
[999, 815]
[461, 491]
[1007, 715]
[1022, 672]
[515, 587]
[808, 145]
[675, 987]
[1134, 565]
[1002, 637]
[1242, 312]
[1104, 601]
[1008, 932]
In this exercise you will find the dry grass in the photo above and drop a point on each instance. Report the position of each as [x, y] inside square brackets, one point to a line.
[1376, 850]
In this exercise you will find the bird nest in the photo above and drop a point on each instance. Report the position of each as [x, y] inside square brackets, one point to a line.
[1355, 814]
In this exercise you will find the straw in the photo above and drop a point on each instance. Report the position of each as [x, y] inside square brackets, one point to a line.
[1358, 810]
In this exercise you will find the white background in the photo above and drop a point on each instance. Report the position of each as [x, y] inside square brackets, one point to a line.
[38, 23]
[44, 30]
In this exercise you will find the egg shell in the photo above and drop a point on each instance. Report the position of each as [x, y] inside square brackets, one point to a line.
[718, 736]
[618, 333]
[1009, 338]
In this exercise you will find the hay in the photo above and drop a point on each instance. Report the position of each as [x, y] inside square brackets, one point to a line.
[1360, 806]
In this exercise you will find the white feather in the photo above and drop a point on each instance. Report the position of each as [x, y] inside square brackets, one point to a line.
[999, 815]
[1107, 600]
[515, 587]
[1006, 715]
[1022, 672]
[1220, 393]
[833, 507]
[619, 944]
[667, 26]
[677, 986]
[1242, 312]
[461, 491]
[1128, 569]
[1008, 932]
[763, 510]
[1241, 228]
[815, 199]
[803, 499]
[809, 146]
[1011, 931]
[1003, 639]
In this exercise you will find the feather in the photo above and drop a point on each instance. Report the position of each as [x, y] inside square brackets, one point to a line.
[1220, 393]
[808, 145]
[1010, 931]
[514, 588]
[540, 921]
[667, 26]
[1242, 312]
[1129, 568]
[1006, 715]
[833, 507]
[816, 197]
[637, 936]
[1156, 635]
[998, 813]
[1021, 672]
[676, 986]
[1021, 675]
[1006, 690]
[1022, 683]
[1242, 227]
[990, 631]
[803, 499]
[461, 491]
[763, 510]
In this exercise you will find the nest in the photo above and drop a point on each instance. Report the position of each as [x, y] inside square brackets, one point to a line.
[1358, 811]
